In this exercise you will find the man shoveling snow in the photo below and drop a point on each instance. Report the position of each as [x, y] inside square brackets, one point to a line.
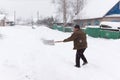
[80, 44]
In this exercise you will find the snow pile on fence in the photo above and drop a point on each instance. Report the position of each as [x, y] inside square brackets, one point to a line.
[112, 25]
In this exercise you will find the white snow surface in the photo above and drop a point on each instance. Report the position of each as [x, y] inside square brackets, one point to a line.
[113, 25]
[23, 56]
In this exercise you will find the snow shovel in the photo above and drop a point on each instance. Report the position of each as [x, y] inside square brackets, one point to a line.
[50, 42]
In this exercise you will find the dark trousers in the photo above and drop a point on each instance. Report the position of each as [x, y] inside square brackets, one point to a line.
[80, 55]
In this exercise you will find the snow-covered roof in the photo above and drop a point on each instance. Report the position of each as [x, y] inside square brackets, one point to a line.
[96, 8]
[2, 16]
[10, 18]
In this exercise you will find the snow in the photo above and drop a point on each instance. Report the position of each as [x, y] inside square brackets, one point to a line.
[23, 56]
[113, 25]
[2, 16]
[93, 26]
[10, 18]
[96, 8]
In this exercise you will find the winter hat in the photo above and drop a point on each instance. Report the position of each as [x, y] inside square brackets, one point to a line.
[77, 26]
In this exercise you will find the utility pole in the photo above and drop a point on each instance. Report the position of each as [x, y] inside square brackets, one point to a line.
[14, 17]
[32, 22]
[38, 18]
[38, 15]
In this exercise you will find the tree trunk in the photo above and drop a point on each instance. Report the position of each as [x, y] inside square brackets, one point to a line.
[64, 12]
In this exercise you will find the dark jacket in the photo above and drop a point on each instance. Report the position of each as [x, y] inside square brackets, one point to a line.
[79, 38]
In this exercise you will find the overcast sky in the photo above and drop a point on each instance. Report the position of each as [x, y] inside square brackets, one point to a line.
[28, 8]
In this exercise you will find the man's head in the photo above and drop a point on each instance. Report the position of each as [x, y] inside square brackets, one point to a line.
[76, 28]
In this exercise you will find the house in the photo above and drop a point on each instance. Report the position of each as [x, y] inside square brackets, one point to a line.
[96, 11]
[2, 20]
[10, 21]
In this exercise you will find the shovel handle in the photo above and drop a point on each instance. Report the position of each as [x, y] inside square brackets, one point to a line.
[58, 41]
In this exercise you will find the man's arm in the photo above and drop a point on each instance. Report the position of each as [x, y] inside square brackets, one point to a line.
[71, 38]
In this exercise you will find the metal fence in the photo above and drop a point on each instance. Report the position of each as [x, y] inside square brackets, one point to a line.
[61, 28]
[93, 32]
[100, 33]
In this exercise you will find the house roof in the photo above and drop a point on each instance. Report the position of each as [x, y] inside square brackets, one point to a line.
[2, 16]
[10, 18]
[96, 8]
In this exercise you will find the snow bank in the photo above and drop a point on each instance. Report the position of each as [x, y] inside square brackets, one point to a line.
[113, 25]
[93, 26]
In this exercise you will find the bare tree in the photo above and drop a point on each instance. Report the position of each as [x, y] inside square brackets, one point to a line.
[64, 12]
[77, 5]
[53, 1]
[69, 8]
[62, 9]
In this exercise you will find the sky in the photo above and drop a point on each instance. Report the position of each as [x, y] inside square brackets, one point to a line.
[28, 8]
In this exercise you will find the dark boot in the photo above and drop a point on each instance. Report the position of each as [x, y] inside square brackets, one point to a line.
[77, 66]
[85, 63]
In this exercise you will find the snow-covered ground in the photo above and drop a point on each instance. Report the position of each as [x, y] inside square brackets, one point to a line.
[23, 56]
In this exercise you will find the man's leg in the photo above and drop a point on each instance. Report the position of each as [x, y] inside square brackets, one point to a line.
[77, 59]
[83, 57]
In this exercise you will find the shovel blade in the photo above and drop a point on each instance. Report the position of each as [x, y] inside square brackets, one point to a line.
[48, 42]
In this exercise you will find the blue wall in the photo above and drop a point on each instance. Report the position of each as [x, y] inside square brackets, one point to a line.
[114, 10]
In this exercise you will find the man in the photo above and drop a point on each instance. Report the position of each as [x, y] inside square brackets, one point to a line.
[80, 44]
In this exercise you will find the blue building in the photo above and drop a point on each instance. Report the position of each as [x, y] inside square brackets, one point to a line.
[96, 11]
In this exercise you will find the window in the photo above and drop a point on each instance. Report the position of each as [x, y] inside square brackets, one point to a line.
[96, 22]
[81, 23]
[89, 23]
[115, 21]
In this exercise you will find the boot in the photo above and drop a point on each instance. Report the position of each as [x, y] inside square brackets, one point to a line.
[77, 66]
[85, 63]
